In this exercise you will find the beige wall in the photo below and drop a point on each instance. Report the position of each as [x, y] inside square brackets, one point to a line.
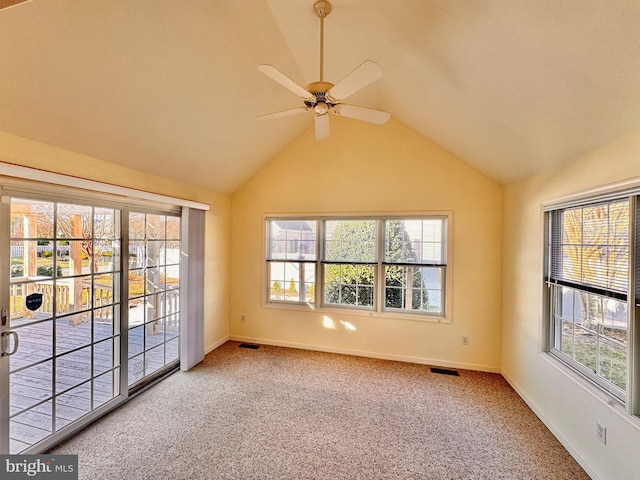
[28, 153]
[368, 168]
[567, 407]
[496, 294]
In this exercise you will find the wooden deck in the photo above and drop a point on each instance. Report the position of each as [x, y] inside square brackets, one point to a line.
[37, 409]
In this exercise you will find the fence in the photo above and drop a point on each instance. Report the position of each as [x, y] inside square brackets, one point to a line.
[18, 250]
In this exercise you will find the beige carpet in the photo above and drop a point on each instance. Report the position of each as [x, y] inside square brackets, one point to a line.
[278, 413]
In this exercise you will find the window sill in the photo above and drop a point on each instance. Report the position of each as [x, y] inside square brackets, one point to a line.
[355, 311]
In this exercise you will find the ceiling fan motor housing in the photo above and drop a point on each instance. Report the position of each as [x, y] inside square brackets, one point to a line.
[322, 102]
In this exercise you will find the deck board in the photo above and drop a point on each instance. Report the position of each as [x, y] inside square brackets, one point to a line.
[32, 394]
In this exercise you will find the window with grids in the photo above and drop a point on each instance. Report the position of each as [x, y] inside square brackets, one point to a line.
[291, 260]
[588, 258]
[350, 261]
[154, 293]
[375, 263]
[414, 264]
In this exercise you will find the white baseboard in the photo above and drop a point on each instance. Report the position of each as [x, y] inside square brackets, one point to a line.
[565, 443]
[216, 344]
[363, 353]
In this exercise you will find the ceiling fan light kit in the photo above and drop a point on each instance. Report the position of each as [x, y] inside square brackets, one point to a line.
[324, 97]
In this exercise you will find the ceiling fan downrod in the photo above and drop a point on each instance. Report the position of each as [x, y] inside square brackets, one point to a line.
[322, 9]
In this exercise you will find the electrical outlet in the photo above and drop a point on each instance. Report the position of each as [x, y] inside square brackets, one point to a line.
[465, 340]
[601, 433]
[242, 318]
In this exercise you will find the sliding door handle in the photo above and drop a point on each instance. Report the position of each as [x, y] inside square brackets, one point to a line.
[5, 342]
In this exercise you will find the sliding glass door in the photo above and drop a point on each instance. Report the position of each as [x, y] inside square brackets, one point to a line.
[90, 301]
[64, 314]
[154, 294]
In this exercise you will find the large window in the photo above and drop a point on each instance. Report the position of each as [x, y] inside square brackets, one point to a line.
[589, 250]
[392, 264]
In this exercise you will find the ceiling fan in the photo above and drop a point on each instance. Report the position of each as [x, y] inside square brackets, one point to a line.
[324, 97]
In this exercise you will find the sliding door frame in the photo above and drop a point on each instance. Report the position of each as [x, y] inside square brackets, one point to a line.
[5, 243]
[44, 194]
[124, 205]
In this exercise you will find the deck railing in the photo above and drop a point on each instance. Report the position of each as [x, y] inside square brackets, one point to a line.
[61, 296]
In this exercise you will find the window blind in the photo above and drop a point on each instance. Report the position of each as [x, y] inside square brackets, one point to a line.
[589, 248]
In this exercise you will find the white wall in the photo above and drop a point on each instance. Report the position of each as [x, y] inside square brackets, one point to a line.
[568, 408]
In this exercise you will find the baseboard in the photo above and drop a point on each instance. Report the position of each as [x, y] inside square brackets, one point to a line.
[565, 443]
[216, 344]
[363, 353]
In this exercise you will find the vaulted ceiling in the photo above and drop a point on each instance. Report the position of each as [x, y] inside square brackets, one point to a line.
[171, 86]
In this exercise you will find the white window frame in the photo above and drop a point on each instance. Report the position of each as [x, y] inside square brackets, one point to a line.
[629, 399]
[411, 264]
[284, 255]
[378, 308]
[373, 263]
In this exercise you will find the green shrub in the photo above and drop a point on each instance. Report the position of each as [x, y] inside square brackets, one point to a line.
[16, 271]
[42, 271]
[47, 271]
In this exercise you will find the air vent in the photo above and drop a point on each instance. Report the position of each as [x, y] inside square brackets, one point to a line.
[248, 345]
[445, 371]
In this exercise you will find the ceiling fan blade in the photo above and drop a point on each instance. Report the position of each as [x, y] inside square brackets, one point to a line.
[361, 113]
[275, 74]
[362, 76]
[284, 113]
[10, 3]
[322, 126]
